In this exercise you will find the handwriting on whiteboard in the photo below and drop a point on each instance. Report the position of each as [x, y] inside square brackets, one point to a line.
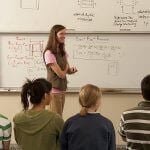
[26, 51]
[131, 15]
[96, 48]
[83, 14]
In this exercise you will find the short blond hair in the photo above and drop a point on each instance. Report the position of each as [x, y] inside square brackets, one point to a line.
[88, 97]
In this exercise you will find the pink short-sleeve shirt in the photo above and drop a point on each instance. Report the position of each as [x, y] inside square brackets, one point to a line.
[49, 57]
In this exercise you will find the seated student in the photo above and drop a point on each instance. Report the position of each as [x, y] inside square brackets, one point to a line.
[135, 122]
[88, 130]
[5, 132]
[37, 128]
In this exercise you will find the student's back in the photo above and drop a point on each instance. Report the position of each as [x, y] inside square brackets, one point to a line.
[37, 128]
[88, 130]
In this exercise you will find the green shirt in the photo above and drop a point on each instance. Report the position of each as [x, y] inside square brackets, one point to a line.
[38, 130]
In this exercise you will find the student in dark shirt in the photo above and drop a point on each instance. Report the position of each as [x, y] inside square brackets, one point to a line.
[88, 130]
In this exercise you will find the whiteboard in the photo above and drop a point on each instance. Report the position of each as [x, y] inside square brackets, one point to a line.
[106, 60]
[80, 15]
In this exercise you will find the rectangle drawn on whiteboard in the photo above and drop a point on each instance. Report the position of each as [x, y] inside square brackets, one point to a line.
[113, 68]
[29, 4]
[86, 3]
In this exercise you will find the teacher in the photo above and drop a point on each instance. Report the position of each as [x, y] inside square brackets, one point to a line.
[55, 58]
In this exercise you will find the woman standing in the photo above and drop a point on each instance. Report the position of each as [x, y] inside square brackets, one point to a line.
[55, 58]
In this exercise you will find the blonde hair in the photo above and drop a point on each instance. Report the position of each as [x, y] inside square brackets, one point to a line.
[88, 96]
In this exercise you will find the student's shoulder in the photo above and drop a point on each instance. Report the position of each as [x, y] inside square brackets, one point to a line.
[130, 110]
[2, 116]
[18, 115]
[4, 120]
[72, 119]
[54, 116]
[106, 121]
[141, 106]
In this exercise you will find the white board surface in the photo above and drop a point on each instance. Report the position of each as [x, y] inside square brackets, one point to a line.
[107, 60]
[81, 15]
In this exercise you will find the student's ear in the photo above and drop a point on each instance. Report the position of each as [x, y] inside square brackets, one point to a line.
[47, 98]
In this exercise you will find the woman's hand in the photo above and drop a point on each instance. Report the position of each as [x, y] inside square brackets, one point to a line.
[73, 70]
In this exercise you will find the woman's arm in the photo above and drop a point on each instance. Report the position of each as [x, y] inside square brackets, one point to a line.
[56, 68]
[50, 61]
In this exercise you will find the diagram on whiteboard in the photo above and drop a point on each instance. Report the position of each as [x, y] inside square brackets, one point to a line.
[24, 51]
[113, 68]
[29, 4]
[128, 6]
[99, 49]
[86, 3]
[132, 15]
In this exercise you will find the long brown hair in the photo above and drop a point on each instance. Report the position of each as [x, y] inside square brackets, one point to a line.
[88, 97]
[53, 43]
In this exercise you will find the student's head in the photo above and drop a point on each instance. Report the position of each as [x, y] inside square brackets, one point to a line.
[145, 87]
[89, 97]
[56, 38]
[36, 91]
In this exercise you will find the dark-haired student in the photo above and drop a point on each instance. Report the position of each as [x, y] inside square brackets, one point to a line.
[88, 130]
[135, 122]
[37, 128]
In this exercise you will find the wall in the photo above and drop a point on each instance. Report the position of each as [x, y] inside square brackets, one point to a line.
[112, 106]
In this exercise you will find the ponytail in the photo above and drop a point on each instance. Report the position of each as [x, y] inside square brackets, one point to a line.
[34, 91]
[83, 111]
[26, 91]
